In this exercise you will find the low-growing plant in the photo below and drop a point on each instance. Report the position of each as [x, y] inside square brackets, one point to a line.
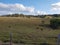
[54, 23]
[41, 29]
[44, 44]
[37, 27]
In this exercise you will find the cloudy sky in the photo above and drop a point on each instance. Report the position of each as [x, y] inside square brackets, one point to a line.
[29, 6]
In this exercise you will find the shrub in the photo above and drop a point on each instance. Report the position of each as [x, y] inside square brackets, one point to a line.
[28, 16]
[37, 27]
[54, 23]
[22, 42]
[41, 29]
[43, 22]
[5, 40]
[15, 41]
[9, 26]
[44, 44]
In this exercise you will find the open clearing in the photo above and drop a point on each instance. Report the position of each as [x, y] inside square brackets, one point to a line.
[27, 30]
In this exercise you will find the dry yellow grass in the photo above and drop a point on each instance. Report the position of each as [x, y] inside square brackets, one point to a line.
[25, 29]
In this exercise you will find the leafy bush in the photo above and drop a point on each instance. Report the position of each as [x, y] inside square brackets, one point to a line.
[54, 23]
[9, 26]
[44, 44]
[41, 29]
[37, 27]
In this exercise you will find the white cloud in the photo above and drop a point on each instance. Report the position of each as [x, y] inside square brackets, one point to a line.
[41, 12]
[18, 8]
[15, 8]
[55, 6]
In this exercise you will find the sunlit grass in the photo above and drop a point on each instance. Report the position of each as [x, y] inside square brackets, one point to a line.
[25, 30]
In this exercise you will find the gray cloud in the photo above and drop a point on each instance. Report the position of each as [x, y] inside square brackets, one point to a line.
[55, 6]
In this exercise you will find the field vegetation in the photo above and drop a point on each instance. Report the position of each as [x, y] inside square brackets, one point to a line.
[28, 30]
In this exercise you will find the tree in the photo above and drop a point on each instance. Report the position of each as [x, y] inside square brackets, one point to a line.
[21, 15]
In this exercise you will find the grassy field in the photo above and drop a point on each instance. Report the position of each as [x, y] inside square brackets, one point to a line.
[27, 30]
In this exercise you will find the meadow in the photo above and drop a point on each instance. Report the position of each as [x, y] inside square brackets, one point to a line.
[25, 30]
